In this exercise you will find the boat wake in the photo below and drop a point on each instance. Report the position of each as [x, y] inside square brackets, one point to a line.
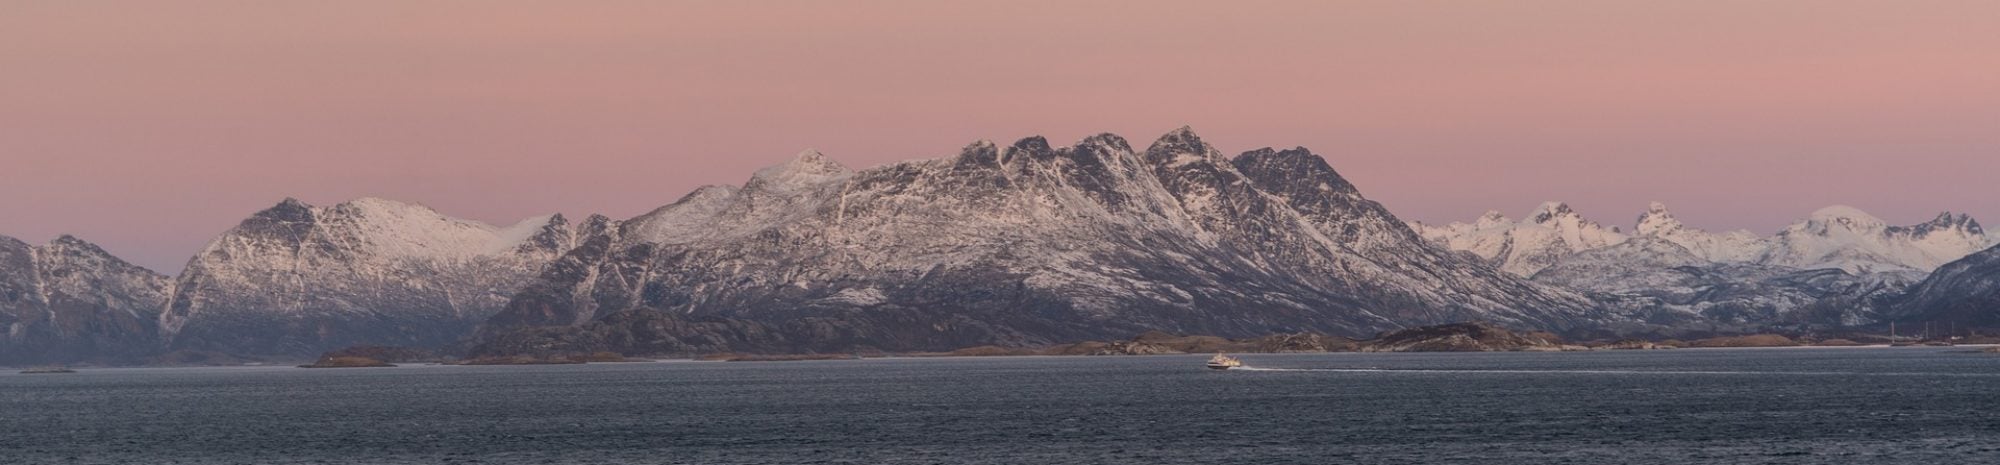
[1621, 372]
[1583, 372]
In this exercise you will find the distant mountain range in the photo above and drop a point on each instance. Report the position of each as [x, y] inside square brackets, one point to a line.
[1022, 244]
[1837, 237]
[1835, 267]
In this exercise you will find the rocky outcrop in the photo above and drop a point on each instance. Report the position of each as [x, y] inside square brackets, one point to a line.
[1750, 340]
[1635, 344]
[1300, 342]
[347, 362]
[1114, 348]
[385, 353]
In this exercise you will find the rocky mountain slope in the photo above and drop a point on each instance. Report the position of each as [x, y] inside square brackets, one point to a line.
[1964, 293]
[1017, 245]
[70, 301]
[298, 280]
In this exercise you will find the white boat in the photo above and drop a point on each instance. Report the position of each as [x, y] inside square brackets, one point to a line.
[1224, 362]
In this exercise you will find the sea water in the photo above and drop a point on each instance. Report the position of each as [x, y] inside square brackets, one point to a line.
[1719, 406]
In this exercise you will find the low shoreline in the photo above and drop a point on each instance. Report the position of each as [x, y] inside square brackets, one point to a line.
[1969, 349]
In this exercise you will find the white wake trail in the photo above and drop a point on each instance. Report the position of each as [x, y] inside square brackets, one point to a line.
[1587, 372]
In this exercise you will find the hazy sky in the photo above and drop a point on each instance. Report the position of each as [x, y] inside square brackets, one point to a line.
[150, 127]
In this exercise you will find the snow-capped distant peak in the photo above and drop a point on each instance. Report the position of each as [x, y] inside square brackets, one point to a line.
[1551, 211]
[1846, 215]
[1960, 224]
[1550, 232]
[1182, 147]
[1731, 247]
[1850, 239]
[1657, 220]
[389, 229]
[1109, 141]
[520, 233]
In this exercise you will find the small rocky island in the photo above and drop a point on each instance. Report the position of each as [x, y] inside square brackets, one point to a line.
[348, 362]
[371, 357]
[1467, 337]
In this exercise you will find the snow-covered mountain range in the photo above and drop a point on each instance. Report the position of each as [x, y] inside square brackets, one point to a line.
[1547, 235]
[1836, 237]
[1020, 244]
[1832, 268]
[1011, 245]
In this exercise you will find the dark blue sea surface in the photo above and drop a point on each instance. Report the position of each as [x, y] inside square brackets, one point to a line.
[1919, 405]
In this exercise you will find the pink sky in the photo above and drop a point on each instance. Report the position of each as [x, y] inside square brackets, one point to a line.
[149, 128]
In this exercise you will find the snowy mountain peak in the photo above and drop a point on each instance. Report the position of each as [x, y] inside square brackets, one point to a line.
[1552, 231]
[289, 209]
[1032, 145]
[1182, 147]
[980, 153]
[1107, 140]
[1849, 239]
[1850, 217]
[1550, 211]
[1296, 162]
[1731, 247]
[1657, 221]
[1962, 224]
[400, 215]
[66, 240]
[1103, 149]
[549, 235]
[807, 169]
[68, 245]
